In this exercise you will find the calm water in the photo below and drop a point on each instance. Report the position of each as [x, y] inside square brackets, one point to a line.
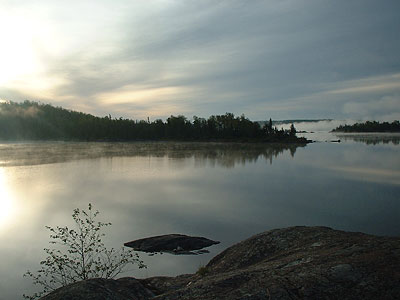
[226, 193]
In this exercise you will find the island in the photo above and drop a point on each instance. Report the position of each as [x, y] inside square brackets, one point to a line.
[286, 264]
[370, 126]
[37, 121]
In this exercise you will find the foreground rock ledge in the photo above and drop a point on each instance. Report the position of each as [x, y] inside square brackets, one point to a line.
[290, 263]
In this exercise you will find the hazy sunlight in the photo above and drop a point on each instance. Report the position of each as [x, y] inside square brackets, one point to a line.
[6, 199]
[17, 53]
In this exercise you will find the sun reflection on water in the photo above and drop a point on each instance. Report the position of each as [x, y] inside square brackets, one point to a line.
[6, 200]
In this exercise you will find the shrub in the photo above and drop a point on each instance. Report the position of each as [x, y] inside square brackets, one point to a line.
[80, 254]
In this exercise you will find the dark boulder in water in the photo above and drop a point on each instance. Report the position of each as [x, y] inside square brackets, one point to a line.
[172, 243]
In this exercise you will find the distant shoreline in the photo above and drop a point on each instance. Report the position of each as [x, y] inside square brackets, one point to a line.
[43, 122]
[297, 140]
[369, 127]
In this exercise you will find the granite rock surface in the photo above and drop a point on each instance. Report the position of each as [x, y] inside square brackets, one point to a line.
[290, 263]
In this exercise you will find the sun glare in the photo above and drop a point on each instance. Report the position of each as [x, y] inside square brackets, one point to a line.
[6, 199]
[17, 53]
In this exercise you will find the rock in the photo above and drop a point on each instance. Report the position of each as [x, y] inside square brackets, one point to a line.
[300, 263]
[290, 263]
[102, 289]
[172, 243]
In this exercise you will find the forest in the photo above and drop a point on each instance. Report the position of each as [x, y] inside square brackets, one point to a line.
[370, 126]
[30, 120]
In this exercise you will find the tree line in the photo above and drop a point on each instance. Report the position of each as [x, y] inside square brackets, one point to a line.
[37, 121]
[370, 126]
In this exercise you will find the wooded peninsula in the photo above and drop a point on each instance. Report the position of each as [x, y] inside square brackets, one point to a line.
[370, 126]
[37, 121]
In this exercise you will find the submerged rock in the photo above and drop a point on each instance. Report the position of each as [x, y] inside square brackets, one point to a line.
[281, 264]
[172, 243]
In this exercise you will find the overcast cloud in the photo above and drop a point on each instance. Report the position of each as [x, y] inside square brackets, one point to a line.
[281, 59]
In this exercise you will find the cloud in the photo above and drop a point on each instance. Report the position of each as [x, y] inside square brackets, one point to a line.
[367, 85]
[384, 108]
[374, 97]
[292, 59]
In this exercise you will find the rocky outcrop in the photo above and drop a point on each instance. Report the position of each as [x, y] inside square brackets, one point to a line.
[290, 263]
[172, 243]
[103, 289]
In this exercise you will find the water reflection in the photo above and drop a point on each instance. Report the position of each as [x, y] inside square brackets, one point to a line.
[221, 154]
[226, 192]
[6, 202]
[371, 138]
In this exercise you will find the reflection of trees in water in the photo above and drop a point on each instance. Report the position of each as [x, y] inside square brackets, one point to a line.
[222, 154]
[228, 158]
[373, 139]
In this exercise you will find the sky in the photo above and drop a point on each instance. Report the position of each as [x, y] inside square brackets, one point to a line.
[283, 59]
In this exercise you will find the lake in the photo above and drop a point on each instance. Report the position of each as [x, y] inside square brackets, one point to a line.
[223, 192]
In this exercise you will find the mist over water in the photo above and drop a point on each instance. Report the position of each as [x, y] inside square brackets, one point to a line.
[224, 154]
[317, 126]
[226, 192]
[320, 131]
[370, 138]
